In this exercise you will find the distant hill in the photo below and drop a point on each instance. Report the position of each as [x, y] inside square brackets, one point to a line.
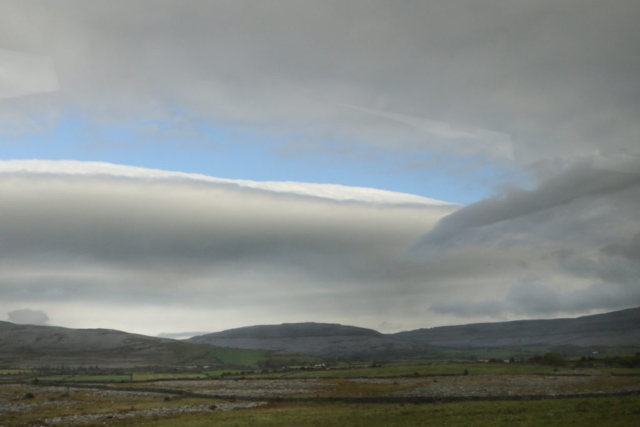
[296, 330]
[31, 345]
[316, 339]
[618, 328]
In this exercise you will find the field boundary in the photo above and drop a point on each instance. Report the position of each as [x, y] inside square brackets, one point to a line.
[350, 399]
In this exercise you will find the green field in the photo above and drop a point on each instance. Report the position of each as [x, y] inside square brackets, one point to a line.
[435, 369]
[13, 371]
[203, 354]
[146, 376]
[591, 412]
[602, 412]
[136, 376]
[101, 378]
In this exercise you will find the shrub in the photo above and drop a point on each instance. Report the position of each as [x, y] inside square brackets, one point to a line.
[553, 359]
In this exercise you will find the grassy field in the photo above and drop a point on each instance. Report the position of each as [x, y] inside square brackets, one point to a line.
[582, 412]
[146, 376]
[101, 378]
[31, 403]
[183, 353]
[362, 371]
[600, 412]
[435, 369]
[136, 376]
[13, 371]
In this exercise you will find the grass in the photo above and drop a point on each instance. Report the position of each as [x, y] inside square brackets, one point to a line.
[136, 376]
[146, 376]
[144, 352]
[204, 354]
[219, 372]
[13, 371]
[99, 378]
[436, 369]
[624, 411]
[609, 411]
[60, 404]
[354, 372]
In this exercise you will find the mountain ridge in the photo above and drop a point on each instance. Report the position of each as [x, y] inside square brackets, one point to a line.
[39, 345]
[618, 328]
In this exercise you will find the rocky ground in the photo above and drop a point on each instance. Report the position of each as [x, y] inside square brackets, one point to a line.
[13, 398]
[162, 411]
[249, 388]
[476, 385]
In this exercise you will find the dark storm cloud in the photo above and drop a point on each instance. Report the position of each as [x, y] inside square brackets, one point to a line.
[557, 77]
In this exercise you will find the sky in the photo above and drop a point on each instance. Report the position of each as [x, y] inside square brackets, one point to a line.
[175, 167]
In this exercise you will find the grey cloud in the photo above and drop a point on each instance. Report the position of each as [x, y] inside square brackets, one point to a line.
[572, 232]
[558, 76]
[527, 299]
[26, 74]
[630, 250]
[27, 316]
[482, 218]
[462, 308]
[134, 243]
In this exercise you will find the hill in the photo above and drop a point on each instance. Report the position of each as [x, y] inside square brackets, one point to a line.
[30, 345]
[315, 339]
[618, 328]
[615, 329]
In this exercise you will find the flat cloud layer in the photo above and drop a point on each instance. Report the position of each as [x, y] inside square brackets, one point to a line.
[165, 252]
[114, 245]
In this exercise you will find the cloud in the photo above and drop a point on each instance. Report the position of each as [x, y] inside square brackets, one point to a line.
[571, 236]
[180, 335]
[28, 317]
[101, 245]
[479, 221]
[332, 192]
[26, 74]
[456, 138]
[535, 299]
[119, 240]
[455, 78]
[556, 81]
[630, 250]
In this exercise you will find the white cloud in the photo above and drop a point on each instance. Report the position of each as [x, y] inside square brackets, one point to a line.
[324, 191]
